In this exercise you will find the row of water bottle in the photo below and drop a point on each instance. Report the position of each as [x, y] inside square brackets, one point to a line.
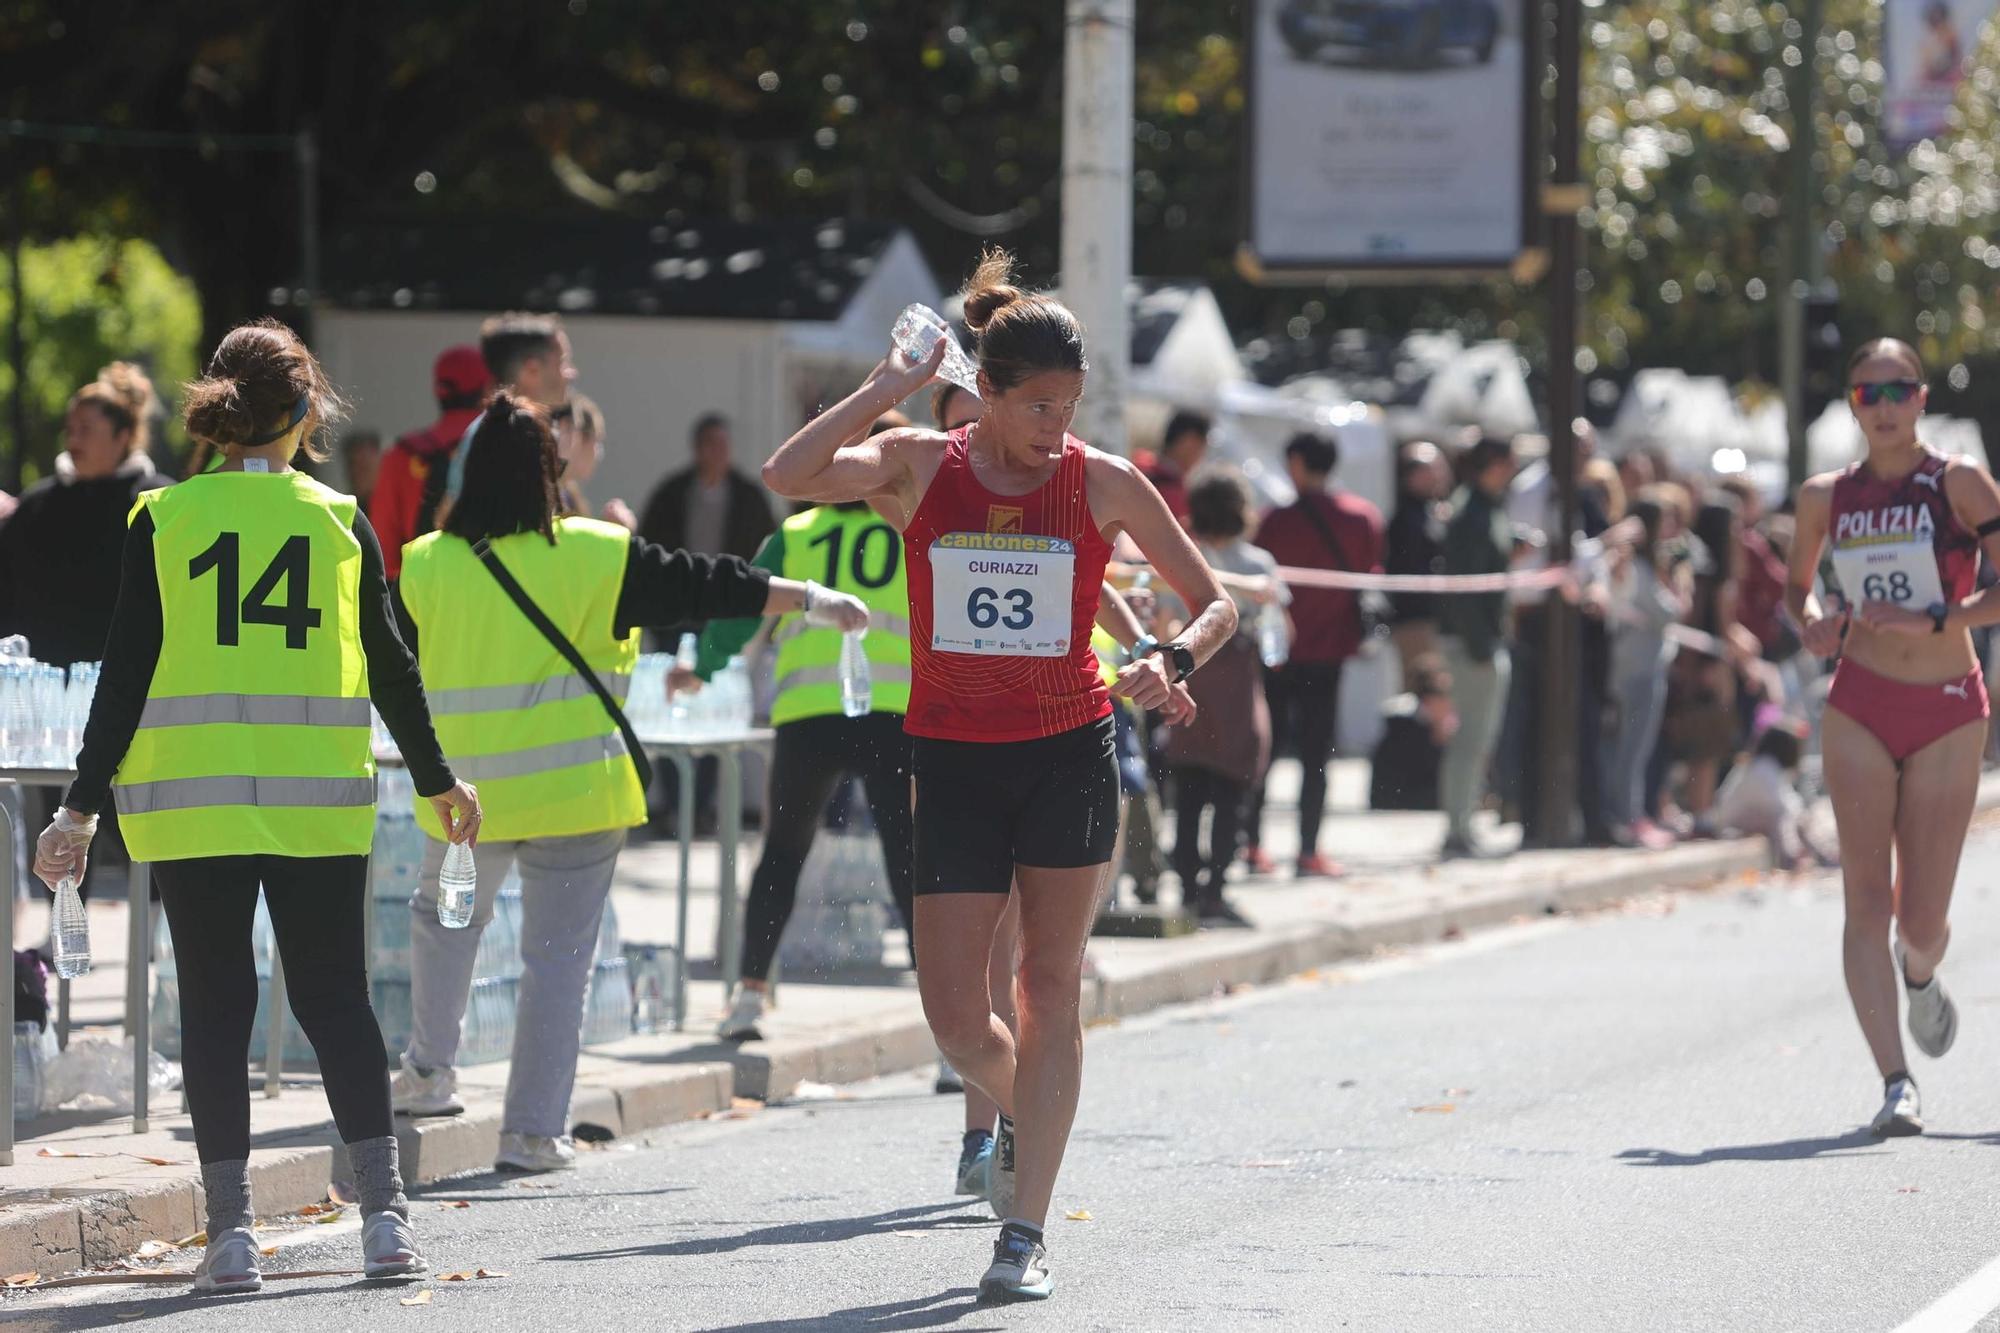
[42, 708]
[722, 707]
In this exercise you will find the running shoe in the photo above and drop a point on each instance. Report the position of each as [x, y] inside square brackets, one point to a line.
[1001, 1179]
[741, 1024]
[1901, 1114]
[975, 1164]
[1933, 1017]
[534, 1152]
[416, 1091]
[1220, 914]
[389, 1247]
[229, 1265]
[1020, 1270]
[1314, 865]
[1258, 861]
[948, 1079]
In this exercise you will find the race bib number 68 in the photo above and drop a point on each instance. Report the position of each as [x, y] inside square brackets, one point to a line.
[1001, 594]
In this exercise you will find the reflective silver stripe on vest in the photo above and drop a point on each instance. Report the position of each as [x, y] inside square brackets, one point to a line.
[264, 710]
[537, 759]
[879, 673]
[151, 798]
[498, 698]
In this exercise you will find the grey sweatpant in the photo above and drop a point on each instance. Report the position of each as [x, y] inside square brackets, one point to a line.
[564, 882]
[1479, 694]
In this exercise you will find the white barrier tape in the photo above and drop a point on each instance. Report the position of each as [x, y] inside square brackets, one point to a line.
[1340, 578]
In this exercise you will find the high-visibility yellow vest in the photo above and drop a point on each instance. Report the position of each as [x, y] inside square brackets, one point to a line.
[514, 718]
[855, 551]
[255, 736]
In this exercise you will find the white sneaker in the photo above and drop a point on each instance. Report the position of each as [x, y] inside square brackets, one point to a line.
[389, 1247]
[418, 1092]
[534, 1152]
[1933, 1017]
[741, 1024]
[229, 1265]
[1901, 1114]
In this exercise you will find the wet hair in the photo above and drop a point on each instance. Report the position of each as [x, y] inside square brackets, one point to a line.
[125, 396]
[705, 423]
[1015, 333]
[1895, 347]
[510, 473]
[587, 415]
[1780, 742]
[506, 341]
[1184, 423]
[257, 378]
[1317, 454]
[1219, 504]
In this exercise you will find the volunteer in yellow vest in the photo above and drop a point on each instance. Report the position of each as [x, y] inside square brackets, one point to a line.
[848, 547]
[252, 630]
[558, 785]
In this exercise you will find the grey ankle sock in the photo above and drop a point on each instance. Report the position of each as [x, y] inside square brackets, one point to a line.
[226, 1186]
[378, 1176]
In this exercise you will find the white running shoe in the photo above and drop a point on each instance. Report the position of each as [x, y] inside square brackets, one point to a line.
[1901, 1114]
[420, 1092]
[741, 1024]
[389, 1247]
[534, 1152]
[1020, 1270]
[229, 1265]
[1001, 1179]
[948, 1079]
[1933, 1017]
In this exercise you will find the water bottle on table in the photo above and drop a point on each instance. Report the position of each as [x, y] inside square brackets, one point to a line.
[857, 691]
[72, 930]
[458, 887]
[917, 332]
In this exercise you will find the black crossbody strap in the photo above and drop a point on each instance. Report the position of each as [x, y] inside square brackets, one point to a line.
[1325, 529]
[560, 642]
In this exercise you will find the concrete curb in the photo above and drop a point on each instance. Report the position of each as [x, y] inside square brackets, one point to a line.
[111, 1219]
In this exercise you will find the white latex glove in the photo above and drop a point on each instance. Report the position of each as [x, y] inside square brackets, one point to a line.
[64, 847]
[827, 608]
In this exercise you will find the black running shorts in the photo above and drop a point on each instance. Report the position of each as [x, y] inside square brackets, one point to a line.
[983, 808]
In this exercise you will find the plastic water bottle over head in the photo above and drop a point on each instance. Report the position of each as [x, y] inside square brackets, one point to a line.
[917, 332]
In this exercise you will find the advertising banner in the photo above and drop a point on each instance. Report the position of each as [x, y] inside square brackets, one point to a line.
[1388, 137]
[1927, 48]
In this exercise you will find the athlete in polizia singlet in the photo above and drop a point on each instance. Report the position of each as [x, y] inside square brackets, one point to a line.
[1009, 525]
[1906, 718]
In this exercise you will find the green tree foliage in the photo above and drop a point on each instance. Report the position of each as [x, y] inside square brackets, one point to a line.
[91, 300]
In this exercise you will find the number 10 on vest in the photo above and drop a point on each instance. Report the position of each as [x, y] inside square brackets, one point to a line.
[1001, 594]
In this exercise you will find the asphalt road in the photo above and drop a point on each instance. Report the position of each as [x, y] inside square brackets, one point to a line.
[1647, 1118]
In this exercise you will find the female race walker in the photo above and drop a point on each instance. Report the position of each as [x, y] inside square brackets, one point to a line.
[1907, 711]
[251, 632]
[1009, 524]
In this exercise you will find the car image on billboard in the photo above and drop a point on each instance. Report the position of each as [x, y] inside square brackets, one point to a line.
[1410, 34]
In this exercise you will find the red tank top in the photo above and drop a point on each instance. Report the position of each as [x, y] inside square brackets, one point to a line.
[1870, 512]
[963, 694]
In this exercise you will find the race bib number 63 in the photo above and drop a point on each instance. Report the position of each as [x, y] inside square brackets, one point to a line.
[1001, 594]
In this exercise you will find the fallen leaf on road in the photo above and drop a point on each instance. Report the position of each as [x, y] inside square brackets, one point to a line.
[324, 1218]
[22, 1280]
[315, 1209]
[153, 1249]
[189, 1242]
[1458, 1092]
[159, 1161]
[1439, 1108]
[1080, 1215]
[741, 1108]
[421, 1298]
[268, 1251]
[455, 1203]
[533, 1185]
[492, 1272]
[67, 1152]
[457, 1277]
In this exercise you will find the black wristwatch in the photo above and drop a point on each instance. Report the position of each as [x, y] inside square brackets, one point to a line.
[1182, 659]
[1938, 611]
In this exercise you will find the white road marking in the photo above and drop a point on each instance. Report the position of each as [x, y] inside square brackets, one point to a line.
[1962, 1308]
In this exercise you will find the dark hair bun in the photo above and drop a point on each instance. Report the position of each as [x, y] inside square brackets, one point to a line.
[217, 411]
[990, 289]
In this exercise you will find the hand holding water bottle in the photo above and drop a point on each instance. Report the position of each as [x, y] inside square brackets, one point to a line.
[918, 334]
[827, 608]
[458, 810]
[63, 850]
[903, 374]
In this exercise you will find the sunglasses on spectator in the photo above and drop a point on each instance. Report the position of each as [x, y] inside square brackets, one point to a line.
[1896, 391]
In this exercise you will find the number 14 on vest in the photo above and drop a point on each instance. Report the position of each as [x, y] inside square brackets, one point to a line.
[1001, 594]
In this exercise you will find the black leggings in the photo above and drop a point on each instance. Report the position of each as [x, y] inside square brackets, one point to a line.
[806, 764]
[316, 914]
[1193, 789]
[1305, 702]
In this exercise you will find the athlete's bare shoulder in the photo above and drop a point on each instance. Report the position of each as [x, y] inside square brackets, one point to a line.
[1112, 470]
[1818, 491]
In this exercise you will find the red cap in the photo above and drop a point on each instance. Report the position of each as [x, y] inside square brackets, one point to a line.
[460, 372]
